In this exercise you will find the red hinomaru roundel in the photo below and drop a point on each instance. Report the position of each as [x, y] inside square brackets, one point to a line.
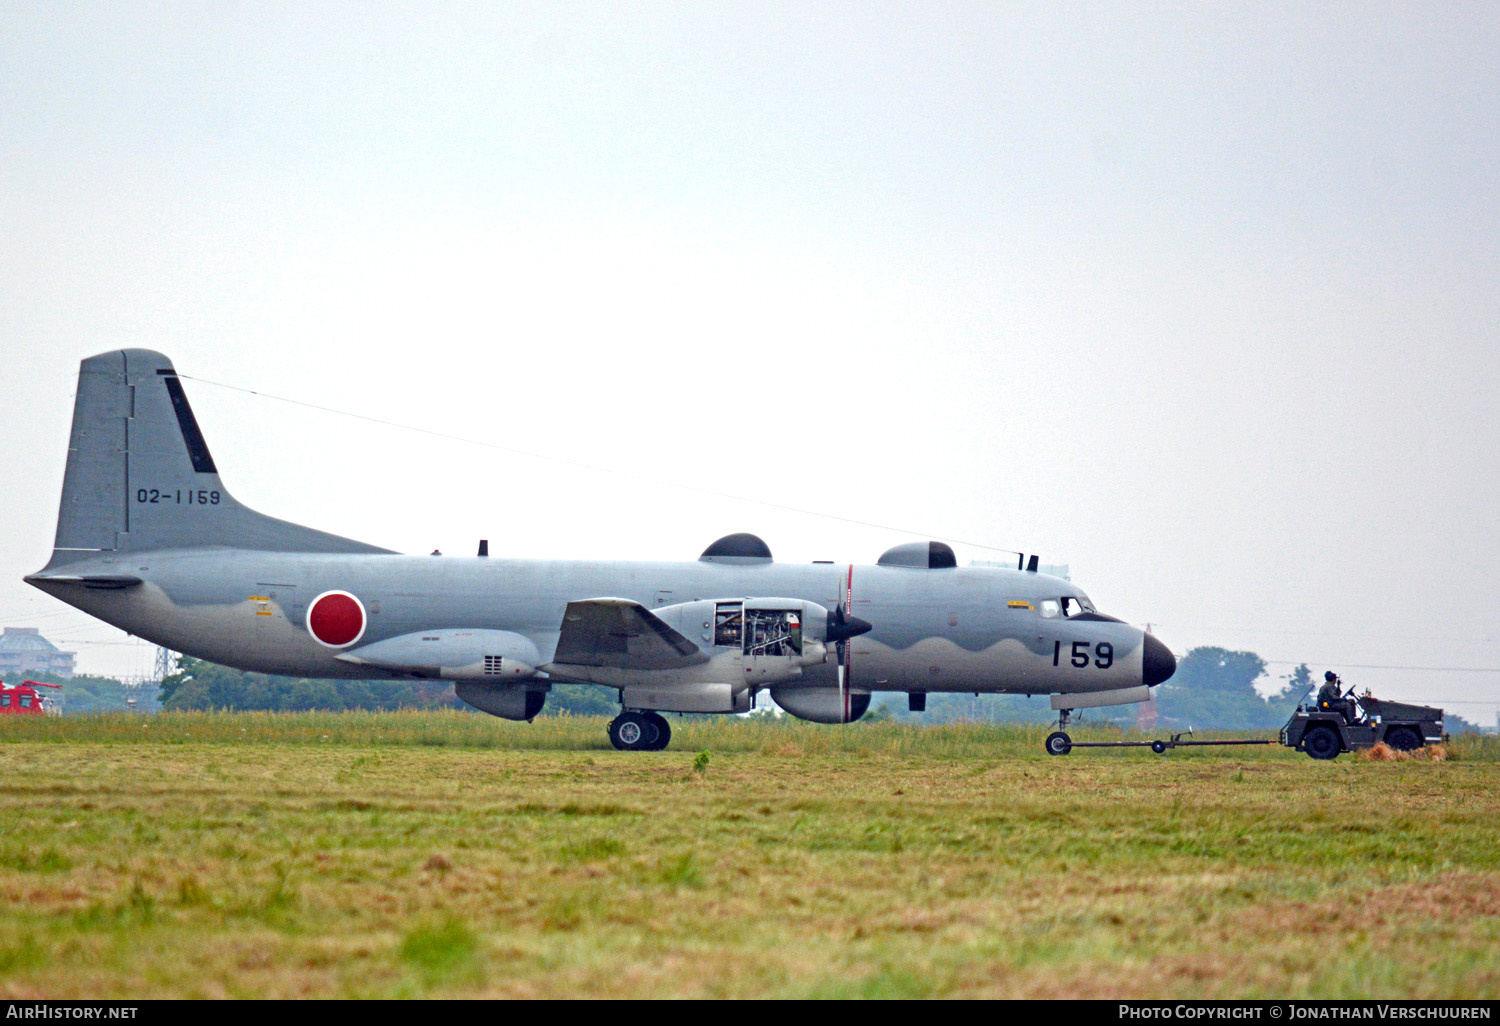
[336, 619]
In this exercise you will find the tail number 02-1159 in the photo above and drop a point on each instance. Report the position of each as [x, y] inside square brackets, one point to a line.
[1102, 656]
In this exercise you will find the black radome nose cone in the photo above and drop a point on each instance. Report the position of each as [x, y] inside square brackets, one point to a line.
[1157, 662]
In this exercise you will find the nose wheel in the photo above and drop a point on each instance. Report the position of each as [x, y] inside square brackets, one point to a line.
[1058, 742]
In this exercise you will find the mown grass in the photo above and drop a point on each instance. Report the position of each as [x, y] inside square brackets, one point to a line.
[445, 854]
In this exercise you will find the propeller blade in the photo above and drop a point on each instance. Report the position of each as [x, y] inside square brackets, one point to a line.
[843, 652]
[842, 627]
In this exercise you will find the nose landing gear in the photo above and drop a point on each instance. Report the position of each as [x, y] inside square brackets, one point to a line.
[1058, 742]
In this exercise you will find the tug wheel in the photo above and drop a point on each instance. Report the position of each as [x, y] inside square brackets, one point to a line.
[1403, 739]
[1321, 743]
[1158, 747]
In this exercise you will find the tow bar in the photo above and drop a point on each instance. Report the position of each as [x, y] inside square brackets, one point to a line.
[1059, 743]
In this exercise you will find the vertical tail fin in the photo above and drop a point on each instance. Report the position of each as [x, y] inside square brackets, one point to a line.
[140, 476]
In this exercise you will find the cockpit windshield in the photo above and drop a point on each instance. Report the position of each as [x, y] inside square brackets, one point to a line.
[1066, 605]
[1074, 605]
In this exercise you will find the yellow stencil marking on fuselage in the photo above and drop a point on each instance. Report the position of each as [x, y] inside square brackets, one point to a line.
[1018, 604]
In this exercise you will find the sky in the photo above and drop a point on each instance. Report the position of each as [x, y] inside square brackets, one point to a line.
[1200, 300]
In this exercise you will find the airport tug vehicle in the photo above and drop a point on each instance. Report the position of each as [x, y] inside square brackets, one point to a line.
[1326, 730]
[1323, 729]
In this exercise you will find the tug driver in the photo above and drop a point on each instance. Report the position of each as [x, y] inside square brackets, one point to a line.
[1331, 697]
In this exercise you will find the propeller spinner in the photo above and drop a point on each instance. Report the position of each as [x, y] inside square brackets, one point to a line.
[842, 626]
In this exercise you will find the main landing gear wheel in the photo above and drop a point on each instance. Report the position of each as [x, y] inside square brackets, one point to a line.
[633, 732]
[639, 732]
[663, 731]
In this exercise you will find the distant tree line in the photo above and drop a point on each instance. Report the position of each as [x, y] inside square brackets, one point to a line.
[1213, 688]
[198, 684]
[86, 694]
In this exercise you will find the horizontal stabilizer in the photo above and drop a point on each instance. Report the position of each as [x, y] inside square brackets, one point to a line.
[621, 634]
[98, 582]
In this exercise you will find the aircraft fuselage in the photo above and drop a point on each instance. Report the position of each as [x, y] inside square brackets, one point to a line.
[975, 629]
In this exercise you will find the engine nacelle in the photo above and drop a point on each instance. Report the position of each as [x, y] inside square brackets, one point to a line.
[781, 628]
[822, 705]
[508, 701]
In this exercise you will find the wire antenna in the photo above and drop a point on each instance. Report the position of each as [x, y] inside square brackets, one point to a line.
[597, 469]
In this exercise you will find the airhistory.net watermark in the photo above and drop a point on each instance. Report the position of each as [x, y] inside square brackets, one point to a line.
[41, 1010]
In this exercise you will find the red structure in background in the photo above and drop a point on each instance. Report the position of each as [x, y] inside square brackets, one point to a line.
[24, 699]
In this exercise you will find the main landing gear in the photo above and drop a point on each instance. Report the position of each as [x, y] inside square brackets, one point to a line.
[1058, 742]
[639, 731]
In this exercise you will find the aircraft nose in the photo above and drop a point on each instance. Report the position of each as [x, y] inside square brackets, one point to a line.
[1157, 662]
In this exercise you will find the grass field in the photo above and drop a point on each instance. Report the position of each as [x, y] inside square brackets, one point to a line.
[445, 854]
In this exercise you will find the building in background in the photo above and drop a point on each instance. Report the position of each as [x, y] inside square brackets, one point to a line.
[23, 651]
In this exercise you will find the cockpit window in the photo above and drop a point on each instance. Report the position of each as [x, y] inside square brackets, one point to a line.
[1073, 605]
[1048, 608]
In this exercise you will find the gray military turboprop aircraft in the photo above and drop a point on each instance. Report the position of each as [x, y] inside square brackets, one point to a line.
[150, 540]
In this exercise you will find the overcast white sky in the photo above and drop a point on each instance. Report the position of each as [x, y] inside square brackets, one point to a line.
[1200, 299]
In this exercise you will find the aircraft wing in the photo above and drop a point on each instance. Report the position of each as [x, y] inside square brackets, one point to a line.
[621, 634]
